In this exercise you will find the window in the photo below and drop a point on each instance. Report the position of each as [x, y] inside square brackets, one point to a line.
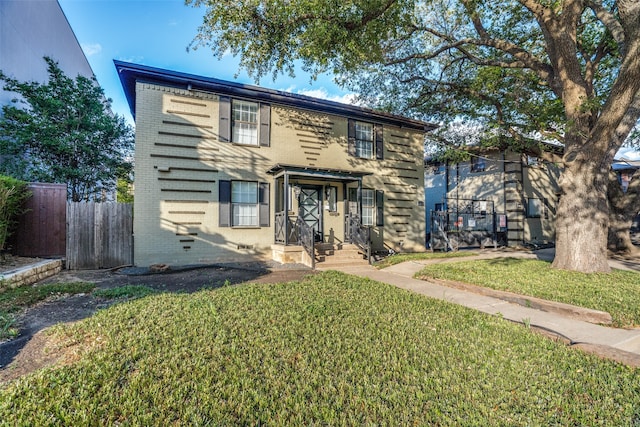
[244, 203]
[535, 208]
[368, 205]
[364, 140]
[439, 168]
[372, 205]
[477, 164]
[245, 122]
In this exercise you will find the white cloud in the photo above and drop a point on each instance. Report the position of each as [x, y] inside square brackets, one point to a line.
[347, 98]
[91, 49]
[628, 153]
[132, 59]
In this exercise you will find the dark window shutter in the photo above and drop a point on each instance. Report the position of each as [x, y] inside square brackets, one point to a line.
[351, 135]
[224, 204]
[263, 200]
[379, 208]
[379, 143]
[265, 124]
[224, 127]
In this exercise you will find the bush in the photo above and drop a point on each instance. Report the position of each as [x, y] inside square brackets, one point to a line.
[13, 193]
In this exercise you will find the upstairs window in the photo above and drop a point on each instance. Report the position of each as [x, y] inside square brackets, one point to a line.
[364, 140]
[245, 122]
[478, 164]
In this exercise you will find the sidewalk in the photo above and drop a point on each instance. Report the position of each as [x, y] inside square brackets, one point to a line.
[621, 345]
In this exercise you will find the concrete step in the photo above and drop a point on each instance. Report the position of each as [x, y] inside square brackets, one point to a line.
[334, 256]
[337, 264]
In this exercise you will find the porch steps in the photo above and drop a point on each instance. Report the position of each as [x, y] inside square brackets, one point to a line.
[330, 256]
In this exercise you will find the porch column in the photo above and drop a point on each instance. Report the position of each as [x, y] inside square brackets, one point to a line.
[286, 208]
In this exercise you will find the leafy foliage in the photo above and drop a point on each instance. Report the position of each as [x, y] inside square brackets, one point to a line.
[311, 352]
[13, 193]
[63, 131]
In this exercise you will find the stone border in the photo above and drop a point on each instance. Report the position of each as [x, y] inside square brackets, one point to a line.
[30, 274]
[567, 310]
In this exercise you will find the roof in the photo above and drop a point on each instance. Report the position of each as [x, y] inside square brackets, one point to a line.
[130, 73]
[337, 174]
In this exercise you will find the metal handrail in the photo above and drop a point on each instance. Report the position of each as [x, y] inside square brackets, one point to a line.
[280, 227]
[359, 235]
[307, 239]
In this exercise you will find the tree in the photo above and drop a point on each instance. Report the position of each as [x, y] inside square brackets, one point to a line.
[13, 193]
[64, 131]
[623, 208]
[566, 68]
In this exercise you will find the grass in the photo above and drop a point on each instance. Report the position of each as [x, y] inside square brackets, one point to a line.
[13, 300]
[617, 292]
[333, 349]
[398, 258]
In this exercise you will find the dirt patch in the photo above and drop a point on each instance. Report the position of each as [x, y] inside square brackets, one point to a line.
[33, 348]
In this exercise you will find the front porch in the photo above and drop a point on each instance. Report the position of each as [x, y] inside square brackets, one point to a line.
[325, 255]
[318, 213]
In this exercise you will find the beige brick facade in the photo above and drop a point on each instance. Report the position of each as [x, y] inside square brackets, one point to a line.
[180, 162]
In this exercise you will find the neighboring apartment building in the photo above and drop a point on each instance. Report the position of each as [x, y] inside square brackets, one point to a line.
[30, 30]
[521, 190]
[228, 172]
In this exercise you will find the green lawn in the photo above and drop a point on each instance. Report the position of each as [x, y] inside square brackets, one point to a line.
[398, 258]
[333, 349]
[617, 293]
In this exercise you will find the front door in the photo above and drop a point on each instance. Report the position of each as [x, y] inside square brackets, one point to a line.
[310, 203]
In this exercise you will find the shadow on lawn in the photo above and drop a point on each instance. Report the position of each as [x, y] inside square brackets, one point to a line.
[177, 279]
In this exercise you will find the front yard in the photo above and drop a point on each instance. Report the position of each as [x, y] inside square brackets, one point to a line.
[332, 349]
[617, 292]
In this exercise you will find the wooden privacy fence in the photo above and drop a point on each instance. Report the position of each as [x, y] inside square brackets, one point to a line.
[41, 230]
[99, 235]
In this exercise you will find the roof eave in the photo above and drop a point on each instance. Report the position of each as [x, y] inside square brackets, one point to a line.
[130, 73]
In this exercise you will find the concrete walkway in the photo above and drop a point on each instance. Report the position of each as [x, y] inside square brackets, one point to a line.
[618, 344]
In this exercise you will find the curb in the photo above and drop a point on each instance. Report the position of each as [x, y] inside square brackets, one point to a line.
[571, 311]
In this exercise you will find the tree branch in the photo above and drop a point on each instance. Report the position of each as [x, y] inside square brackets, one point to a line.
[608, 19]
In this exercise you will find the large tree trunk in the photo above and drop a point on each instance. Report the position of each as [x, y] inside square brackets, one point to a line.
[623, 208]
[582, 221]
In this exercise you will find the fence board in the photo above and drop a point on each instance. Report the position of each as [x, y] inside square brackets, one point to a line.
[99, 235]
[41, 230]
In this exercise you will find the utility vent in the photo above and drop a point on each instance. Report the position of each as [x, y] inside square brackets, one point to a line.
[245, 246]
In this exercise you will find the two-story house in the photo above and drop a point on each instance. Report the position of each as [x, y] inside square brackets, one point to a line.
[229, 172]
[498, 196]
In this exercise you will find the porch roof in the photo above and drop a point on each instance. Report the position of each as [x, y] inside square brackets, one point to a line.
[316, 172]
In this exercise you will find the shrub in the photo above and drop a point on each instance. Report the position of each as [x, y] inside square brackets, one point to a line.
[13, 193]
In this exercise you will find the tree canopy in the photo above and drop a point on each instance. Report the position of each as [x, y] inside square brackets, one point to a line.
[64, 131]
[561, 69]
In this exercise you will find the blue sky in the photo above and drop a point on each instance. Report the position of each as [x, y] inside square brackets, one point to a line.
[157, 33]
